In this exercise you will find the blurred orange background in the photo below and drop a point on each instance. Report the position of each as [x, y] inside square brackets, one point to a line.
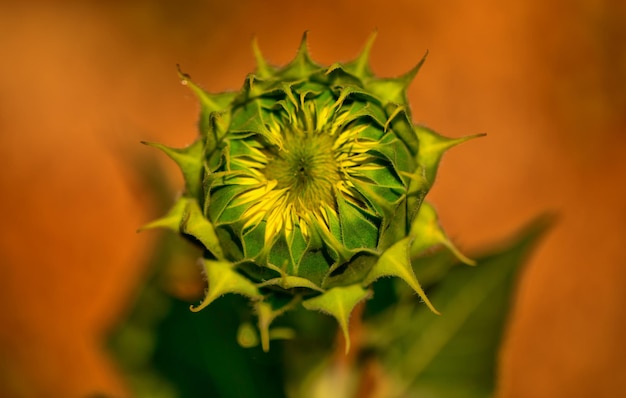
[81, 83]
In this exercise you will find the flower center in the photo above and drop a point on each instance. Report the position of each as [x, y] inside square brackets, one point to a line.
[305, 166]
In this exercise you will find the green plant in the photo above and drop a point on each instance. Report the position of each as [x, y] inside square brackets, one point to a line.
[308, 183]
[303, 191]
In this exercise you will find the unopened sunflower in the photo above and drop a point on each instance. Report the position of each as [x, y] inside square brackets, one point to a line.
[309, 182]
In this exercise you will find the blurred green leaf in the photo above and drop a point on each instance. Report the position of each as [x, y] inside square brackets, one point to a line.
[454, 354]
[199, 354]
[167, 351]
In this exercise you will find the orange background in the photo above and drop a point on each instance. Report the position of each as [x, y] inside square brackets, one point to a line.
[82, 84]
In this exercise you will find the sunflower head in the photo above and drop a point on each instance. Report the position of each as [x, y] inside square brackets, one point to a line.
[309, 182]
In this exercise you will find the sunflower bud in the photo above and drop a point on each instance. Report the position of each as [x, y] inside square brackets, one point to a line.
[308, 183]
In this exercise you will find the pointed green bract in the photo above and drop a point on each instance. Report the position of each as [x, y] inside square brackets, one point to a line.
[426, 227]
[301, 67]
[463, 344]
[433, 148]
[308, 182]
[223, 279]
[189, 160]
[195, 224]
[360, 67]
[211, 106]
[394, 90]
[263, 70]
[339, 302]
[291, 282]
[172, 219]
[396, 261]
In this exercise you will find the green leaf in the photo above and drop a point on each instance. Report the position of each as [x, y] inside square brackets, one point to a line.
[222, 279]
[455, 354]
[339, 302]
[200, 356]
